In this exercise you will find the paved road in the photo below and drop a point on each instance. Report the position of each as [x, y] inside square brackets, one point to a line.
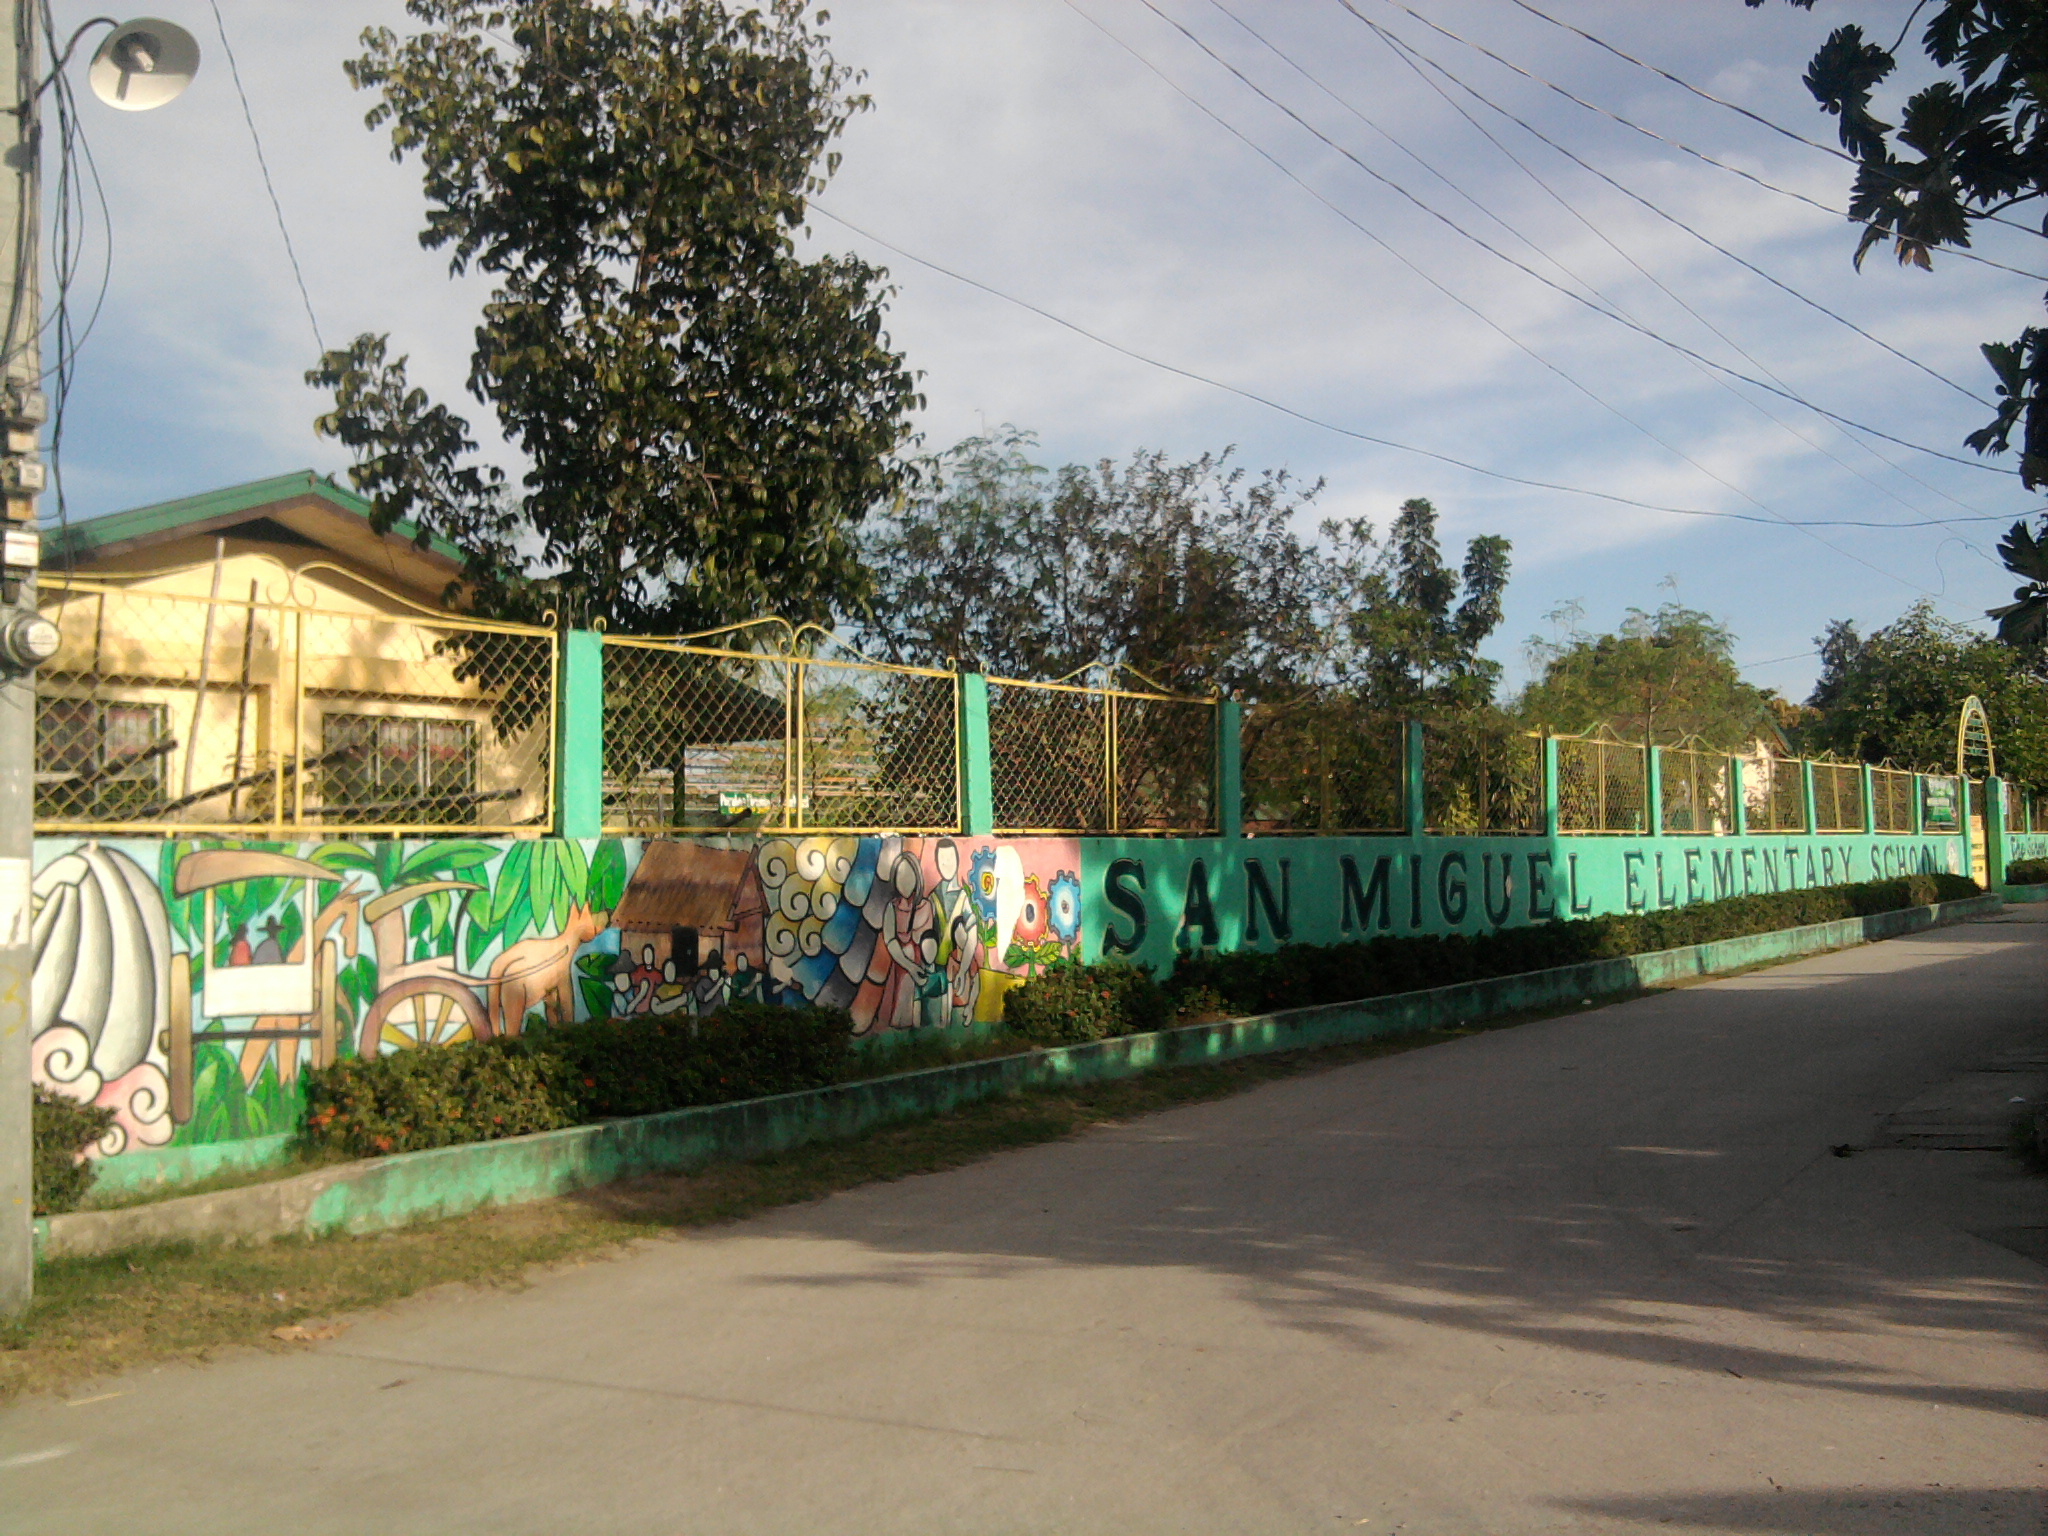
[1596, 1274]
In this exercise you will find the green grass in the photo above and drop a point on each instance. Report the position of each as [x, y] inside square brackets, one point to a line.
[95, 1316]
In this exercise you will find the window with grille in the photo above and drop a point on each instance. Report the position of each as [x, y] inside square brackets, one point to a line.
[393, 766]
[98, 760]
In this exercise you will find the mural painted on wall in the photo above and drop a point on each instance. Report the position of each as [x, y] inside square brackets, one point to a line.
[186, 984]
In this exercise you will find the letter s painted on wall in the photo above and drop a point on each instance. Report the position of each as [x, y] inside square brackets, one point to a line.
[1117, 886]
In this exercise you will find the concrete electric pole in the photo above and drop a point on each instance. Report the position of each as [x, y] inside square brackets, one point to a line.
[22, 412]
[138, 66]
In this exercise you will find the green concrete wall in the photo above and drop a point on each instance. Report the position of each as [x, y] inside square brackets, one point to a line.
[1153, 899]
[389, 1192]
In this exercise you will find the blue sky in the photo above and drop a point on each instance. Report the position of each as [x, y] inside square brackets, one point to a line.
[1015, 142]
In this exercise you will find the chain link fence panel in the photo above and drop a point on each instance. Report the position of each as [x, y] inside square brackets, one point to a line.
[1693, 791]
[1481, 774]
[1602, 785]
[1891, 800]
[1321, 766]
[242, 714]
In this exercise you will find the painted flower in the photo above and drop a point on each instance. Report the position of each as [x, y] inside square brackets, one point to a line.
[1030, 927]
[981, 885]
[1063, 907]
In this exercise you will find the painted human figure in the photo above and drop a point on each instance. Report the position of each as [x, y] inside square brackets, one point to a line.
[708, 994]
[963, 966]
[906, 927]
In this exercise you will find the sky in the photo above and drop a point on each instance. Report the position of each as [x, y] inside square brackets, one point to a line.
[1346, 247]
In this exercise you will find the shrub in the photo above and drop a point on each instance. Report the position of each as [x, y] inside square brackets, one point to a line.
[1300, 975]
[439, 1096]
[1069, 1003]
[62, 1129]
[643, 1065]
[435, 1096]
[2027, 872]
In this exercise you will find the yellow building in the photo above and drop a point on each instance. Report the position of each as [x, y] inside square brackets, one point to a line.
[261, 661]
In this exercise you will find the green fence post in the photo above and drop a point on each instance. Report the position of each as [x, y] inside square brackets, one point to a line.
[1738, 803]
[1552, 820]
[1806, 803]
[1919, 808]
[1869, 802]
[579, 736]
[1413, 811]
[977, 781]
[1229, 768]
[1653, 791]
[1994, 833]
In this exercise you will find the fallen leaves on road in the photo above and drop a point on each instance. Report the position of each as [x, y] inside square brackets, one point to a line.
[299, 1333]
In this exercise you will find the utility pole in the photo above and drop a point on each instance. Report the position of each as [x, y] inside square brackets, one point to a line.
[24, 639]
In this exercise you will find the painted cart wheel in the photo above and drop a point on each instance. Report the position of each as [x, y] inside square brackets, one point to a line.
[423, 1011]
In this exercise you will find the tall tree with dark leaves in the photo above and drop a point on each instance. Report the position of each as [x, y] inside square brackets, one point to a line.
[1968, 146]
[705, 416]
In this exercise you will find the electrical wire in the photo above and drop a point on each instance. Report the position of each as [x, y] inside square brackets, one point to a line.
[1414, 59]
[1494, 251]
[1677, 144]
[263, 164]
[1356, 435]
[1600, 234]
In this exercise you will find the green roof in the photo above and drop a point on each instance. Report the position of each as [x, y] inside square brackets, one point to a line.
[100, 534]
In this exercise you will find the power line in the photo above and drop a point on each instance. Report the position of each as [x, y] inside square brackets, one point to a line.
[1364, 437]
[1685, 85]
[1414, 58]
[263, 164]
[1402, 50]
[1492, 250]
[1600, 234]
[1673, 449]
[1651, 133]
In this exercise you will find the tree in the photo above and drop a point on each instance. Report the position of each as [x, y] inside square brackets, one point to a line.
[1191, 573]
[1664, 676]
[1968, 146]
[1898, 694]
[706, 416]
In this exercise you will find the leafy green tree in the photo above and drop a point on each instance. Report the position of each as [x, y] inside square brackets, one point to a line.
[1664, 676]
[1897, 695]
[1190, 573]
[1194, 574]
[1414, 624]
[705, 415]
[1969, 145]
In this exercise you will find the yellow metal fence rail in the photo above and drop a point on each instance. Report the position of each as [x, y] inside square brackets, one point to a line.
[1837, 797]
[1775, 795]
[255, 714]
[1693, 791]
[747, 728]
[1481, 774]
[1891, 800]
[1602, 785]
[1072, 758]
[1321, 767]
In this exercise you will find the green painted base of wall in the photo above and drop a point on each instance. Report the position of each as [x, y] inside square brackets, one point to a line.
[423, 1186]
[153, 1168]
[2019, 895]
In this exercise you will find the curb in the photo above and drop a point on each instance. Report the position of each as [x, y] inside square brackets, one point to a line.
[380, 1193]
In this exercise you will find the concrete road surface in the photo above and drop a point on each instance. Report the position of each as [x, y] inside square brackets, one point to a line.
[1595, 1274]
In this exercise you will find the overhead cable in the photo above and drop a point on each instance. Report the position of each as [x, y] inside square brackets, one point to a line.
[1267, 403]
[263, 165]
[1565, 203]
[1448, 222]
[1415, 58]
[1677, 144]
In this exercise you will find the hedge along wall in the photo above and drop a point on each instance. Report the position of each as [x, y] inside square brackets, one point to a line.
[187, 984]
